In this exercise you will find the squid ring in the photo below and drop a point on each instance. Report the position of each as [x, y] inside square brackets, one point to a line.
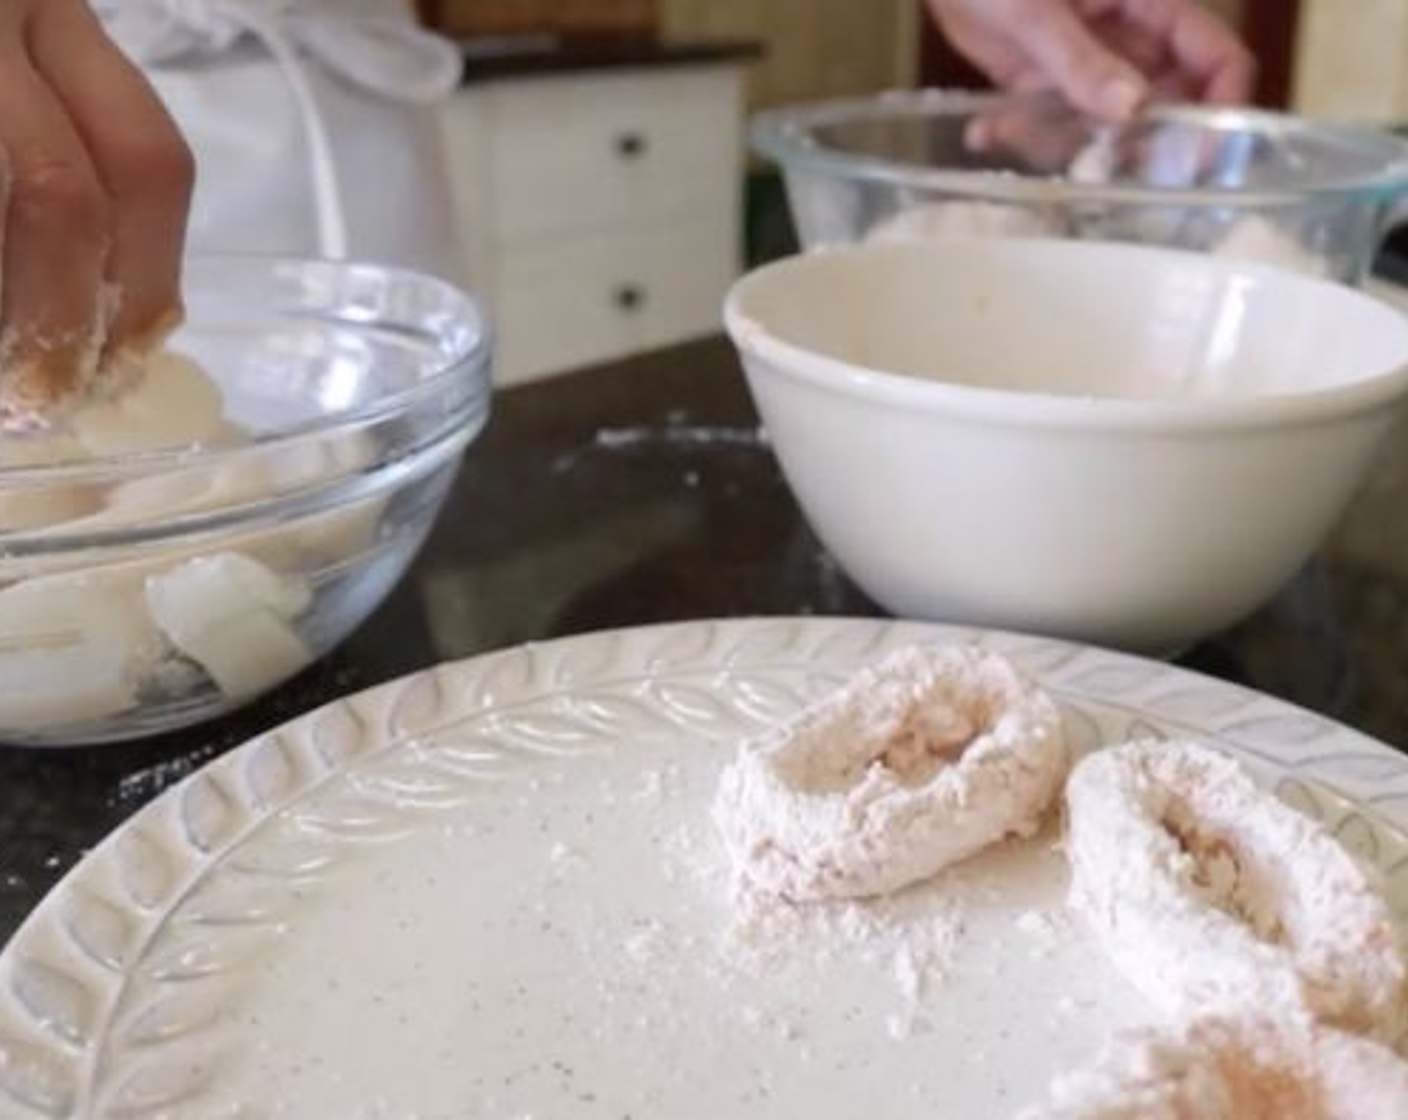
[1226, 1069]
[1208, 892]
[917, 763]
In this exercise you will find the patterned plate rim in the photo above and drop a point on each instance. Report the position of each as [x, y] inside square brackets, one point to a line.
[62, 972]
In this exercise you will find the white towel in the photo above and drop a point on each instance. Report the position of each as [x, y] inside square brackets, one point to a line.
[310, 122]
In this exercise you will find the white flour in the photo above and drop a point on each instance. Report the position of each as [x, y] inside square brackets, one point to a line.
[939, 221]
[1233, 1069]
[1206, 891]
[1259, 241]
[917, 763]
[910, 939]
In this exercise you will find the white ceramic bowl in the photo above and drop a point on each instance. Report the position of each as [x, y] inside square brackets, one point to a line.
[1125, 445]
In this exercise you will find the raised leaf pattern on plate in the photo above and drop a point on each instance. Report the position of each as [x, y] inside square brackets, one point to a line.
[274, 770]
[145, 868]
[147, 1087]
[209, 812]
[1280, 731]
[175, 1011]
[58, 1002]
[339, 733]
[162, 921]
[101, 930]
[40, 1079]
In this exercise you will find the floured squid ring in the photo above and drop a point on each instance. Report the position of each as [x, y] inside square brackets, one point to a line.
[1208, 892]
[918, 762]
[1230, 1069]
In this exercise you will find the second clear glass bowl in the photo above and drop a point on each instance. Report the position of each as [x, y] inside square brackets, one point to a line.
[1241, 183]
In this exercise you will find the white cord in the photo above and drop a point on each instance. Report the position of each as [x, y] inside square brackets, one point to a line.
[391, 58]
[322, 166]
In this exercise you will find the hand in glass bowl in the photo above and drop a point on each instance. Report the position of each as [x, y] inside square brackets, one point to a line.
[1238, 183]
[176, 553]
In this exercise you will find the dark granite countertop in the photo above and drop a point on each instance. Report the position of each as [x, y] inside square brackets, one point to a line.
[537, 55]
[642, 492]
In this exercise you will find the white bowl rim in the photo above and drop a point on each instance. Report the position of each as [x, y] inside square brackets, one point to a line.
[1067, 411]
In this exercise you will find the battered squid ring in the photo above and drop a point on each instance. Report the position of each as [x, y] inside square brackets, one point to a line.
[918, 762]
[1207, 892]
[1224, 1069]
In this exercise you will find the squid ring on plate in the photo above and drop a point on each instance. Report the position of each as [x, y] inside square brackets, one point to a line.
[1208, 892]
[1226, 1069]
[918, 762]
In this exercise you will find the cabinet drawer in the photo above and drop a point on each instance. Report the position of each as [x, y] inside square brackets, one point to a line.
[598, 296]
[581, 153]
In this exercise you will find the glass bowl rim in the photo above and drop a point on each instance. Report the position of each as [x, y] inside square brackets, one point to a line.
[786, 136]
[471, 364]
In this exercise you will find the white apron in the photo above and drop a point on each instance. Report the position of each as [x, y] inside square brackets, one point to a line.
[312, 122]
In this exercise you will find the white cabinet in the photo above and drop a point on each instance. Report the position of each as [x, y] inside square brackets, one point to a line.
[1350, 60]
[601, 211]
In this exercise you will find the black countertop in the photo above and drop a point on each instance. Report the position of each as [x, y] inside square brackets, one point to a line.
[538, 55]
[642, 492]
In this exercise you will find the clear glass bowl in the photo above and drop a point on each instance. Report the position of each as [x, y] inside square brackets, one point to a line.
[147, 590]
[1241, 183]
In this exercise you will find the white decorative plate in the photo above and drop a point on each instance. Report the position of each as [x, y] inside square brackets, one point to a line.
[491, 890]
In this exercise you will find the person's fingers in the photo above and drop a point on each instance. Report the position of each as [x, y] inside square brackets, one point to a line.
[981, 31]
[57, 234]
[1234, 81]
[1133, 42]
[1172, 84]
[1219, 68]
[1106, 56]
[1204, 46]
[140, 158]
[1029, 133]
[1089, 74]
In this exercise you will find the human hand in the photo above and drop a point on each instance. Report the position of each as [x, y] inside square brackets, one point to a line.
[96, 188]
[1107, 57]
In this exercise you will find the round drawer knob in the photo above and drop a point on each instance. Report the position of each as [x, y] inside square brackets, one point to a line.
[631, 145]
[629, 297]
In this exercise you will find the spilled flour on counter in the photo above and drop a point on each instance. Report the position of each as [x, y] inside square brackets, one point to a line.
[680, 435]
[673, 437]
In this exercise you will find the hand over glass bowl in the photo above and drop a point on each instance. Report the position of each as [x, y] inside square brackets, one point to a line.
[150, 583]
[1238, 183]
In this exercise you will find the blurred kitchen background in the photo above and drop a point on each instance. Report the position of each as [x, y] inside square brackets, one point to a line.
[604, 193]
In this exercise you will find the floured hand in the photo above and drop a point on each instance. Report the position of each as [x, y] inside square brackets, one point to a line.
[1107, 57]
[95, 193]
